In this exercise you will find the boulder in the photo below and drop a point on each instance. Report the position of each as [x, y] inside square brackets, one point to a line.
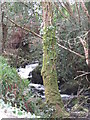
[36, 76]
[70, 87]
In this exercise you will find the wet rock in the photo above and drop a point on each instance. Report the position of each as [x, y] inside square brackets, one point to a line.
[39, 91]
[33, 72]
[36, 76]
[65, 87]
[27, 71]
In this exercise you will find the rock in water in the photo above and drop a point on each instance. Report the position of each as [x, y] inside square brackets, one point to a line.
[36, 76]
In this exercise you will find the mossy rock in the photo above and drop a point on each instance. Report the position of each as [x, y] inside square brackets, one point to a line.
[70, 87]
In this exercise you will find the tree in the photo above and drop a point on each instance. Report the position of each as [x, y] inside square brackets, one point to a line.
[49, 73]
[0, 30]
[86, 44]
[88, 5]
[88, 57]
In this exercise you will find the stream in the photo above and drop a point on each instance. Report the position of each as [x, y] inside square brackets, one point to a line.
[7, 111]
[37, 89]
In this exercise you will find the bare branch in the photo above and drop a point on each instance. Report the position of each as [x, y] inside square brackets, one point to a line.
[60, 10]
[24, 28]
[78, 12]
[68, 8]
[71, 51]
[84, 74]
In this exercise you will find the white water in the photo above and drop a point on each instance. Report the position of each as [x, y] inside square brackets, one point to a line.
[24, 72]
[39, 87]
[6, 111]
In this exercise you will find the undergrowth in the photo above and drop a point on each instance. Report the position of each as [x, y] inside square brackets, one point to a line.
[12, 87]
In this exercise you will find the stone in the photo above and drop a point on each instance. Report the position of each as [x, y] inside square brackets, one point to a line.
[36, 76]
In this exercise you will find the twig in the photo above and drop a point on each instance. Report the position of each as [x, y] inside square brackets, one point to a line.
[86, 73]
[81, 71]
[24, 28]
[79, 92]
[73, 97]
[78, 106]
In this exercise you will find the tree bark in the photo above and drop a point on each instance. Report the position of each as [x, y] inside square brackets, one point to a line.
[49, 73]
[0, 31]
[88, 39]
[4, 32]
[88, 7]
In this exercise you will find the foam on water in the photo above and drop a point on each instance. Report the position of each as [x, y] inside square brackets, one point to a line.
[25, 72]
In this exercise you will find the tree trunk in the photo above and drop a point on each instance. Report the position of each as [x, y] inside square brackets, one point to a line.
[0, 31]
[49, 62]
[86, 43]
[4, 33]
[88, 57]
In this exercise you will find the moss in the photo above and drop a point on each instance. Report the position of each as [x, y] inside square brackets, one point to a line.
[49, 47]
[49, 70]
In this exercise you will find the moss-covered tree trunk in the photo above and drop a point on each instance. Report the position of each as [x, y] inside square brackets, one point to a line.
[49, 61]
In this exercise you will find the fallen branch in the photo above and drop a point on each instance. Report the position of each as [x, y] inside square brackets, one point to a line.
[24, 28]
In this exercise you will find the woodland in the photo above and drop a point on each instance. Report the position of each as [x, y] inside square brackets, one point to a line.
[45, 60]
